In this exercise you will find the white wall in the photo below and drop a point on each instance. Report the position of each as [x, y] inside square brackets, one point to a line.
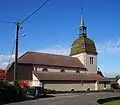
[85, 60]
[81, 57]
[69, 86]
[91, 67]
[35, 81]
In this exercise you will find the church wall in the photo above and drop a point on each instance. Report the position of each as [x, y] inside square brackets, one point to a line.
[10, 73]
[81, 57]
[40, 69]
[101, 86]
[91, 67]
[24, 72]
[85, 60]
[35, 81]
[68, 86]
[108, 86]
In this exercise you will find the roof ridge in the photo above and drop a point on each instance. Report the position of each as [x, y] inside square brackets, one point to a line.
[23, 55]
[47, 54]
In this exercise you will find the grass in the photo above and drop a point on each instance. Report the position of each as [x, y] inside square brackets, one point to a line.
[112, 103]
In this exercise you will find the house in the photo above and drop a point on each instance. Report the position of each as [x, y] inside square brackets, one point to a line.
[63, 73]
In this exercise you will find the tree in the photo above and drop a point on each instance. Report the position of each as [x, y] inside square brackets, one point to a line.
[116, 78]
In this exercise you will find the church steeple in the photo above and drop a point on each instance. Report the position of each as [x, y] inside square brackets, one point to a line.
[82, 27]
[82, 21]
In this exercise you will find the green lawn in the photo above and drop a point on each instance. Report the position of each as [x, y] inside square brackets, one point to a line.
[112, 103]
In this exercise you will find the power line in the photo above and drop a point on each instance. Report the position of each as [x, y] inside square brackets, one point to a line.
[12, 51]
[2, 21]
[35, 11]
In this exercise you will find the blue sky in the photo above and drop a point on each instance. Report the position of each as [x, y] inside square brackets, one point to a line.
[55, 27]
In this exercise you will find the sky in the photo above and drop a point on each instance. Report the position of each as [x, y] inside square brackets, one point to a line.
[55, 26]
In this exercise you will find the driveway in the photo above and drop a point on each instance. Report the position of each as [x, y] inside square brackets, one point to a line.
[69, 99]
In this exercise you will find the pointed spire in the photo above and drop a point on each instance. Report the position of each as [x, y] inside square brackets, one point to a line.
[82, 27]
[82, 18]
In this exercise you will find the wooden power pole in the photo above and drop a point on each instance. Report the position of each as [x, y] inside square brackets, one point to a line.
[16, 51]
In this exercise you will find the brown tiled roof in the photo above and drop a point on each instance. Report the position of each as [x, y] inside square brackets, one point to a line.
[45, 59]
[68, 76]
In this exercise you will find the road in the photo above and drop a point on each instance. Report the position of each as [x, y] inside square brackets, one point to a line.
[69, 99]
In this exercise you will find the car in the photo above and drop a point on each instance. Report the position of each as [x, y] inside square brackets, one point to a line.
[36, 91]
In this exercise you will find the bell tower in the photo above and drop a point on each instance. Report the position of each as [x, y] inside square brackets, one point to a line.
[84, 48]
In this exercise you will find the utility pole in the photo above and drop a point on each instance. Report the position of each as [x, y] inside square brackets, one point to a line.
[16, 51]
[17, 38]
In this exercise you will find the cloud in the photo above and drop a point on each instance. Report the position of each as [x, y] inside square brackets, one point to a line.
[108, 57]
[109, 46]
[108, 49]
[56, 49]
[5, 60]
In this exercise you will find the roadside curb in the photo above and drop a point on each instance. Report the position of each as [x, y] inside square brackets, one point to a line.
[101, 101]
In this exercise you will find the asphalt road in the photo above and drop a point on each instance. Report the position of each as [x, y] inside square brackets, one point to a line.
[69, 99]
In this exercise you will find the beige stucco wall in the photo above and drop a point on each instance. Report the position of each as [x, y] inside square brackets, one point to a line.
[81, 57]
[101, 86]
[85, 60]
[91, 67]
[35, 81]
[68, 87]
[108, 86]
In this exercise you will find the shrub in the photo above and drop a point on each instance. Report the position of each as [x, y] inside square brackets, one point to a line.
[10, 92]
[49, 91]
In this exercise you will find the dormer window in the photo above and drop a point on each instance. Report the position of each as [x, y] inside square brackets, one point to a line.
[62, 70]
[44, 69]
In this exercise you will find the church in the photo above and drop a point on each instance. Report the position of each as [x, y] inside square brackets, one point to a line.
[77, 71]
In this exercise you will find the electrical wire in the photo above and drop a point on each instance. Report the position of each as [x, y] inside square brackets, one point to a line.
[35, 11]
[9, 61]
[2, 21]
[20, 24]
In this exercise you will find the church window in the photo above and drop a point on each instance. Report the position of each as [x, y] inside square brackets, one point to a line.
[62, 70]
[77, 71]
[45, 69]
[91, 60]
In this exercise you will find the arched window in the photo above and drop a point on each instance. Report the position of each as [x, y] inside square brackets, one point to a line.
[77, 71]
[62, 70]
[44, 69]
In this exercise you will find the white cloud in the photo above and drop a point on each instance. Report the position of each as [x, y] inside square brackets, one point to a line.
[56, 49]
[108, 58]
[110, 46]
[5, 59]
